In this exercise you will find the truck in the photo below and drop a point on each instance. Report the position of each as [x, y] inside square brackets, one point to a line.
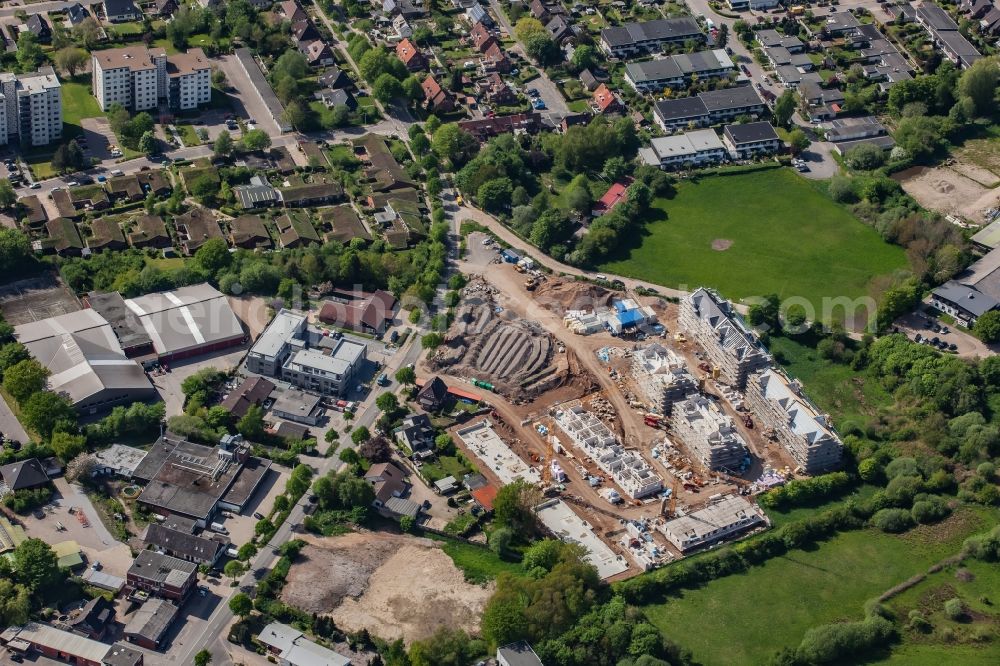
[218, 527]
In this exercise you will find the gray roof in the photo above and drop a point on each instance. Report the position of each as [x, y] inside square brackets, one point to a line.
[519, 654]
[152, 619]
[402, 507]
[122, 654]
[750, 132]
[296, 649]
[186, 318]
[653, 70]
[260, 83]
[730, 98]
[182, 544]
[936, 17]
[83, 355]
[679, 108]
[966, 297]
[254, 196]
[282, 328]
[161, 568]
[24, 474]
[660, 29]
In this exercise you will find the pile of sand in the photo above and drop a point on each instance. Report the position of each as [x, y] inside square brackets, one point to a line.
[561, 295]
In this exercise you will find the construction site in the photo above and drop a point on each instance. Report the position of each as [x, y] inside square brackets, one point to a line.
[655, 442]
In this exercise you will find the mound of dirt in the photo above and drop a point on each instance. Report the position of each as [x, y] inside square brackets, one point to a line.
[561, 295]
[395, 586]
[721, 244]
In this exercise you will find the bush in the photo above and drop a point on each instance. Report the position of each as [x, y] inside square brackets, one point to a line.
[929, 510]
[954, 609]
[893, 520]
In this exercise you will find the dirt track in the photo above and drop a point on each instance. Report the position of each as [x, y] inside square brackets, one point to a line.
[394, 586]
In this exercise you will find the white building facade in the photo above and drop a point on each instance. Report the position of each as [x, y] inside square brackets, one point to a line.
[140, 79]
[32, 107]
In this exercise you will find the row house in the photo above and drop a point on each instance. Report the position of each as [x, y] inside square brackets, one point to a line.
[689, 150]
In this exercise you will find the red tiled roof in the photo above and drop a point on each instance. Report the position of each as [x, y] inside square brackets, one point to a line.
[604, 98]
[406, 51]
[484, 496]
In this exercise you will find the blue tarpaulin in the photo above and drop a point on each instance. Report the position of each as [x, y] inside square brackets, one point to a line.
[630, 318]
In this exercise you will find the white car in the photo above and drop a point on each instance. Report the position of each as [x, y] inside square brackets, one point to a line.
[601, 277]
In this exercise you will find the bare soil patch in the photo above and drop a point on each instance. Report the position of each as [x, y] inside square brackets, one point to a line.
[721, 244]
[394, 586]
[949, 192]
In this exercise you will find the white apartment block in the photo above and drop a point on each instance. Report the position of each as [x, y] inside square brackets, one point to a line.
[728, 517]
[32, 107]
[626, 468]
[732, 348]
[709, 434]
[690, 150]
[140, 79]
[779, 404]
[3, 119]
[662, 376]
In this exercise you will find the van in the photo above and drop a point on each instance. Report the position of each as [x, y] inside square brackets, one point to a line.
[117, 172]
[219, 527]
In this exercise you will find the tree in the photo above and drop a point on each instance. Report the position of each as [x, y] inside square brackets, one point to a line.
[241, 605]
[584, 57]
[246, 551]
[234, 569]
[281, 503]
[405, 376]
[542, 49]
[45, 410]
[452, 143]
[298, 115]
[865, 157]
[256, 139]
[68, 157]
[920, 136]
[614, 168]
[223, 145]
[494, 195]
[446, 647]
[360, 434]
[387, 88]
[24, 379]
[987, 327]
[37, 566]
[87, 32]
[979, 83]
[784, 108]
[71, 59]
[500, 540]
[67, 446]
[203, 658]
[798, 141]
[387, 402]
[219, 79]
[376, 450]
[251, 425]
[29, 52]
[15, 603]
[213, 256]
[8, 197]
[527, 26]
[148, 144]
[512, 507]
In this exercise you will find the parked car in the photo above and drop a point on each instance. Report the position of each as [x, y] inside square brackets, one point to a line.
[35, 186]
[258, 515]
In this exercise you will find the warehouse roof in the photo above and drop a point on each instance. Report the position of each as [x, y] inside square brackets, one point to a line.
[152, 619]
[186, 318]
[61, 641]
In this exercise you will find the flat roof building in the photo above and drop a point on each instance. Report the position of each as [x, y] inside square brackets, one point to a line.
[150, 623]
[725, 518]
[689, 150]
[709, 434]
[636, 38]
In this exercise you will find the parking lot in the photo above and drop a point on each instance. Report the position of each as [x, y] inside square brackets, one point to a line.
[241, 526]
[966, 345]
[35, 298]
[243, 96]
[97, 138]
[168, 384]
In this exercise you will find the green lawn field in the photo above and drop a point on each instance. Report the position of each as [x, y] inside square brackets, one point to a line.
[787, 237]
[745, 619]
[78, 103]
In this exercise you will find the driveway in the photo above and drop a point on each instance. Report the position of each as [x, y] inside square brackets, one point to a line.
[243, 96]
[9, 425]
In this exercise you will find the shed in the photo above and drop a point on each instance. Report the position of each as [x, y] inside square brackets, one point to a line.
[446, 486]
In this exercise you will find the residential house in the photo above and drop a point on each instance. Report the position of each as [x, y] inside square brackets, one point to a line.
[963, 302]
[540, 11]
[105, 234]
[559, 29]
[258, 194]
[390, 486]
[772, 38]
[417, 433]
[410, 55]
[290, 647]
[149, 231]
[162, 8]
[369, 313]
[944, 31]
[838, 23]
[24, 474]
[383, 173]
[249, 233]
[162, 575]
[478, 14]
[76, 13]
[750, 140]
[724, 518]
[317, 53]
[495, 90]
[291, 11]
[121, 11]
[311, 194]
[336, 97]
[975, 9]
[437, 98]
[402, 27]
[33, 211]
[200, 550]
[64, 238]
[485, 128]
[304, 31]
[405, 8]
[677, 71]
[342, 224]
[481, 37]
[605, 101]
[846, 133]
[195, 227]
[433, 394]
[335, 78]
[125, 188]
[252, 392]
[39, 27]
[634, 39]
[295, 230]
[689, 150]
[519, 653]
[617, 193]
[822, 103]
[94, 619]
[495, 59]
